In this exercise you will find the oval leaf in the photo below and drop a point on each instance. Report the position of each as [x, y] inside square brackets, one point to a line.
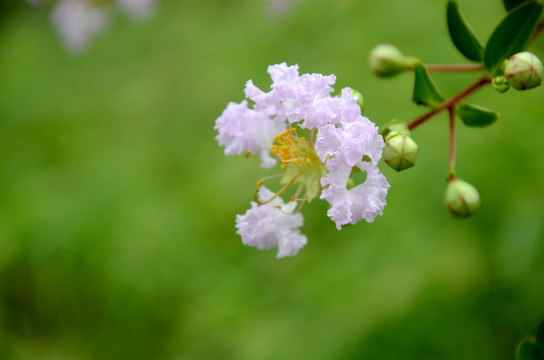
[510, 4]
[527, 350]
[512, 35]
[425, 92]
[473, 115]
[540, 334]
[461, 34]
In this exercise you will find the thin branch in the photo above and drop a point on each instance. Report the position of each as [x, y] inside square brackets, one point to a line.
[452, 141]
[454, 67]
[450, 102]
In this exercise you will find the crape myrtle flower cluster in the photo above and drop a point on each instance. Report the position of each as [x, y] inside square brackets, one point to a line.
[78, 21]
[341, 141]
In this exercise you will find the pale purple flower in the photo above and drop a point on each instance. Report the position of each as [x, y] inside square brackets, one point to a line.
[364, 201]
[278, 8]
[137, 8]
[77, 22]
[243, 129]
[342, 147]
[344, 141]
[266, 226]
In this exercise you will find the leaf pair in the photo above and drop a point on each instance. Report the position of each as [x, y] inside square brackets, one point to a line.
[426, 93]
[511, 36]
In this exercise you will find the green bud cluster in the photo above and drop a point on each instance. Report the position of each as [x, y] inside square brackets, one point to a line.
[500, 83]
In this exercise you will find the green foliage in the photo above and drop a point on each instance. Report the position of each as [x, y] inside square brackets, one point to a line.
[425, 91]
[477, 116]
[510, 4]
[532, 348]
[461, 34]
[512, 35]
[540, 334]
[529, 350]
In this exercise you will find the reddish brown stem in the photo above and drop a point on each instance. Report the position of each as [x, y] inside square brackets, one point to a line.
[454, 67]
[538, 31]
[452, 141]
[450, 102]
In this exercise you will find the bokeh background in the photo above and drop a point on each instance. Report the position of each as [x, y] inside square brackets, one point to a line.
[117, 207]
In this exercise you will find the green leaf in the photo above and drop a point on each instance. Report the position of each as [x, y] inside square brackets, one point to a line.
[473, 115]
[512, 35]
[540, 334]
[425, 92]
[527, 350]
[510, 4]
[461, 34]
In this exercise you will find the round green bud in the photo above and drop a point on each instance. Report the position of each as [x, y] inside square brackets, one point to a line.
[524, 71]
[400, 151]
[387, 60]
[462, 199]
[500, 83]
[360, 99]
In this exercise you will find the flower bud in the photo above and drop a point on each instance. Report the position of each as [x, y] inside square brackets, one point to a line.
[360, 99]
[387, 60]
[400, 151]
[462, 199]
[395, 125]
[524, 71]
[500, 83]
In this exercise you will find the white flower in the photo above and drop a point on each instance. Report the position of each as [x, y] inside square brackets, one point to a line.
[345, 141]
[364, 201]
[77, 22]
[137, 8]
[266, 226]
[242, 129]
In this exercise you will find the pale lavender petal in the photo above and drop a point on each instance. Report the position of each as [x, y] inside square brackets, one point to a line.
[364, 201]
[265, 226]
[242, 129]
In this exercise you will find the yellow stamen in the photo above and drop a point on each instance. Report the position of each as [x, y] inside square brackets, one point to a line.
[278, 193]
[259, 183]
[247, 154]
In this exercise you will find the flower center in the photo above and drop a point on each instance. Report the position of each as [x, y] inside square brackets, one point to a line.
[301, 164]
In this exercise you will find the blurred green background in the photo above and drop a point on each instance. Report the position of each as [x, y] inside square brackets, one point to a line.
[117, 206]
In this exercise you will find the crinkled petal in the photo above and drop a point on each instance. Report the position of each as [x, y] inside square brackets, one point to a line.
[352, 141]
[364, 201]
[242, 129]
[265, 226]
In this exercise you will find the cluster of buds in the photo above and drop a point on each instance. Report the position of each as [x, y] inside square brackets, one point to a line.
[521, 71]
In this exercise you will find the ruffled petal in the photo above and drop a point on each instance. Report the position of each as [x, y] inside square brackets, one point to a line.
[265, 226]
